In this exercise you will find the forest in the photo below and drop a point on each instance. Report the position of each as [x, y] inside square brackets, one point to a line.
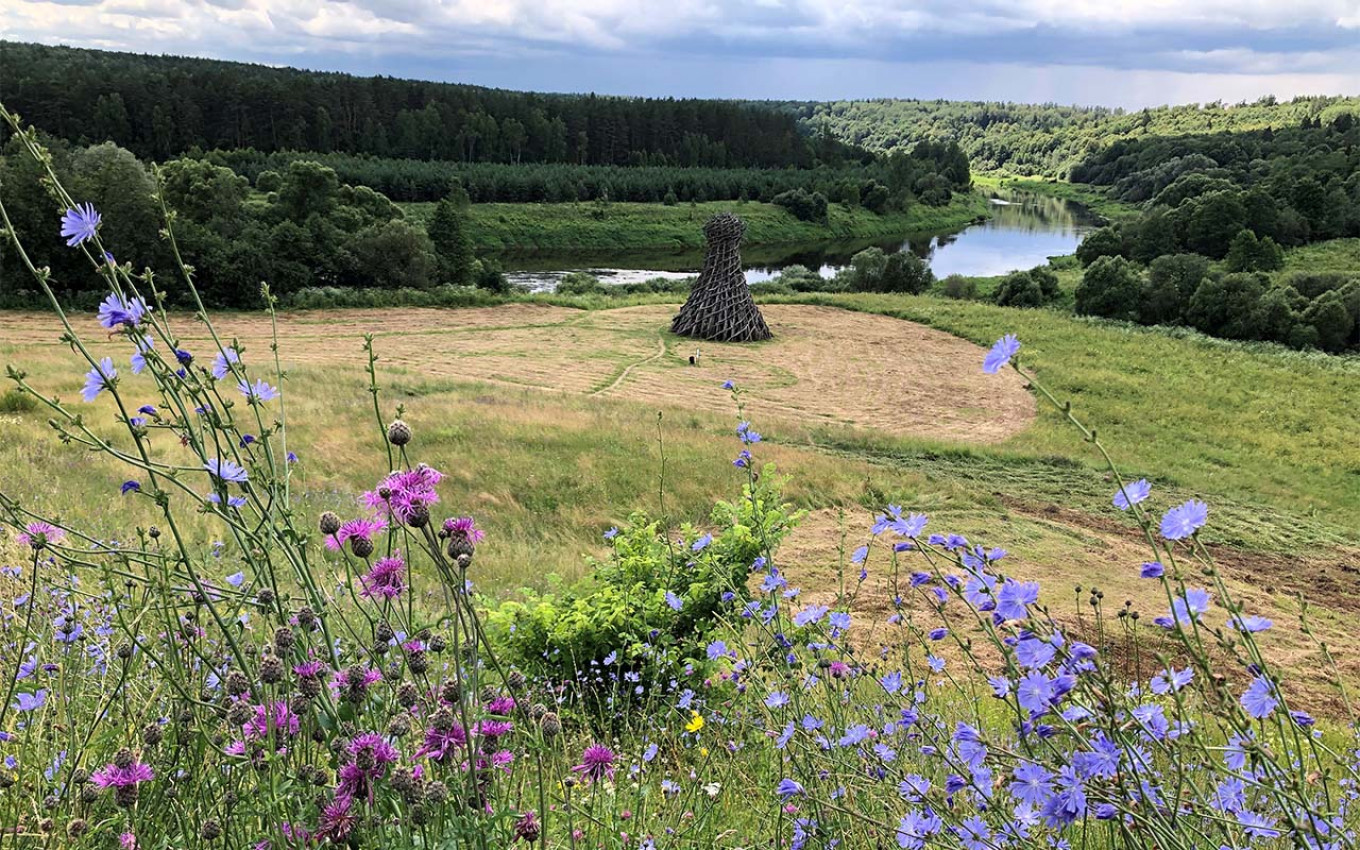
[161, 106]
[1045, 139]
[1216, 215]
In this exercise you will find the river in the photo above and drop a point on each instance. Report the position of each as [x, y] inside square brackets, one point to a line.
[1024, 230]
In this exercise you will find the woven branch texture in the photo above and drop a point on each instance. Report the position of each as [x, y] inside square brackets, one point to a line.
[720, 306]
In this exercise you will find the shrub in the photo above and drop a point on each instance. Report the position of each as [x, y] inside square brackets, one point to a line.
[959, 287]
[1328, 316]
[1110, 287]
[1102, 242]
[1229, 306]
[802, 204]
[487, 275]
[905, 272]
[580, 283]
[15, 401]
[653, 604]
[1171, 282]
[1020, 289]
[669, 199]
[1249, 254]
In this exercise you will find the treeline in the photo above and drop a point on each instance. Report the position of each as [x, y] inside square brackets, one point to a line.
[1242, 193]
[1044, 139]
[431, 180]
[311, 230]
[161, 106]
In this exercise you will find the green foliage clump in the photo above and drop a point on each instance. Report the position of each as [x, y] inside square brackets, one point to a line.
[15, 401]
[628, 604]
[1104, 242]
[959, 287]
[1033, 288]
[1112, 288]
[580, 283]
[802, 204]
[1246, 253]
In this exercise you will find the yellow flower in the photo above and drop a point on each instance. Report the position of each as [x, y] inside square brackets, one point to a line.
[703, 751]
[695, 722]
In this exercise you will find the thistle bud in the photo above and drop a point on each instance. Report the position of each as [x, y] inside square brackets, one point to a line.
[329, 523]
[398, 433]
[361, 546]
[271, 670]
[551, 725]
[211, 830]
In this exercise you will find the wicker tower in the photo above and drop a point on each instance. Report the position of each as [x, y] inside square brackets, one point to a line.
[720, 306]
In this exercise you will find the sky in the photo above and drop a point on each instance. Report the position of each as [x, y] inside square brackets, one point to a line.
[1129, 53]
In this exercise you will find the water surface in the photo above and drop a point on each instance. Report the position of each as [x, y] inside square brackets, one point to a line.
[1023, 232]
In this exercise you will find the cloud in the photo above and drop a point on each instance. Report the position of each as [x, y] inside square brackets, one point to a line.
[481, 40]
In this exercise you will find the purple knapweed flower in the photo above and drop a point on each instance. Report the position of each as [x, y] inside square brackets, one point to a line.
[597, 763]
[385, 579]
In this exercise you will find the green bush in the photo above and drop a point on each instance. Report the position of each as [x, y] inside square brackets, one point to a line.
[1249, 254]
[960, 287]
[1111, 287]
[580, 283]
[804, 205]
[1229, 306]
[1104, 242]
[653, 604]
[14, 401]
[1172, 281]
[905, 272]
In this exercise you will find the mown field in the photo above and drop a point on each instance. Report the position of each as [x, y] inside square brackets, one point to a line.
[531, 227]
[555, 423]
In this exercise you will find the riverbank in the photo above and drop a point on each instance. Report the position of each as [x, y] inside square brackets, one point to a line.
[1092, 198]
[529, 228]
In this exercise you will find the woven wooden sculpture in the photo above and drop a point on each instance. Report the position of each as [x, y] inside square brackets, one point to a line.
[720, 306]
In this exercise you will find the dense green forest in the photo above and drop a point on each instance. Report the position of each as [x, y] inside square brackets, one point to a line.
[161, 106]
[1217, 212]
[928, 172]
[1044, 139]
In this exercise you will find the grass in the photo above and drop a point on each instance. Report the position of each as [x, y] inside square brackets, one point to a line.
[1265, 434]
[1252, 421]
[628, 226]
[1334, 255]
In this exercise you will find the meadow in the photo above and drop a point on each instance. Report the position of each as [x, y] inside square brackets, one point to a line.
[527, 573]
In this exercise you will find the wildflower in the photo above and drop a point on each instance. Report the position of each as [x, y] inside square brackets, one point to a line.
[702, 543]
[746, 435]
[260, 391]
[527, 828]
[223, 362]
[778, 699]
[79, 224]
[916, 827]
[597, 763]
[130, 487]
[839, 621]
[1186, 609]
[1014, 599]
[675, 602]
[236, 579]
[1152, 569]
[360, 529]
[1259, 699]
[611, 533]
[1184, 520]
[1249, 623]
[1131, 494]
[384, 579]
[696, 722]
[123, 775]
[1002, 352]
[39, 534]
[98, 379]
[232, 501]
[717, 649]
[225, 470]
[292, 458]
[1035, 692]
[1033, 784]
[1171, 680]
[442, 743]
[1033, 653]
[138, 360]
[789, 788]
[30, 701]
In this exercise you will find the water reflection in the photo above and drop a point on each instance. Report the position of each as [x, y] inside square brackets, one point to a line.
[1023, 231]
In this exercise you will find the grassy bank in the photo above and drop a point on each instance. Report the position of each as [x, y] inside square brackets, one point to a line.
[1093, 198]
[628, 226]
